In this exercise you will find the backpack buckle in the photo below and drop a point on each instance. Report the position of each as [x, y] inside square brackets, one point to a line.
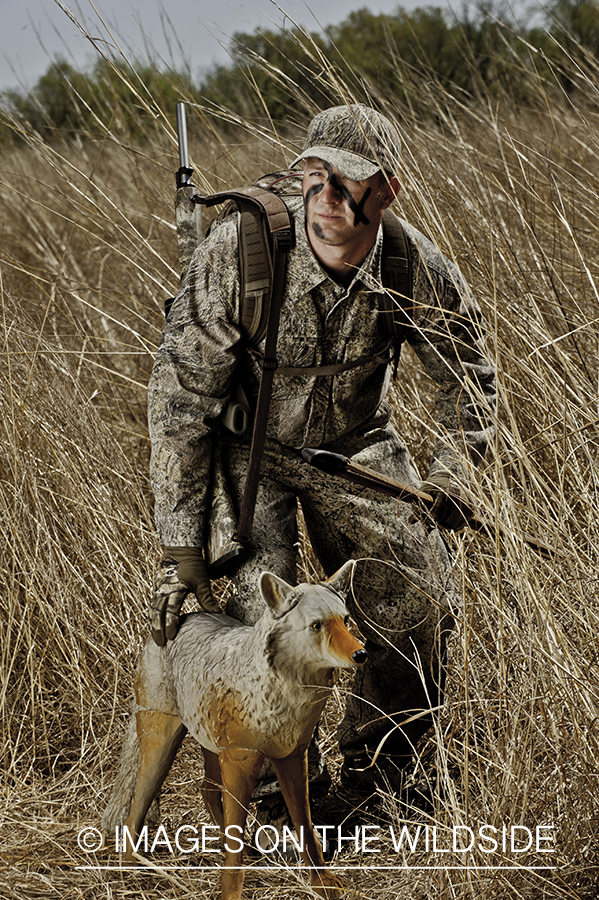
[283, 240]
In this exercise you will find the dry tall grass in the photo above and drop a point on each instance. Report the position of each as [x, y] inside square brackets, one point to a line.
[87, 258]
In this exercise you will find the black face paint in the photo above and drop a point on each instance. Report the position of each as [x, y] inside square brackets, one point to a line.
[311, 192]
[356, 207]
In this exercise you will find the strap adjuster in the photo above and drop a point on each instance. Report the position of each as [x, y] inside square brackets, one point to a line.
[283, 240]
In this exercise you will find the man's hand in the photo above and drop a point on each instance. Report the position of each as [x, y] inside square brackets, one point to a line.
[451, 509]
[182, 571]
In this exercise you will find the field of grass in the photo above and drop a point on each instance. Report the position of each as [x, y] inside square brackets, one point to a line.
[87, 258]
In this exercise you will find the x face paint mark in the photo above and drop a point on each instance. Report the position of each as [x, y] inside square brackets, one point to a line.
[356, 208]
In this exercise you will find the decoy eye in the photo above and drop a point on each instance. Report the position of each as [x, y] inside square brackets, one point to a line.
[316, 626]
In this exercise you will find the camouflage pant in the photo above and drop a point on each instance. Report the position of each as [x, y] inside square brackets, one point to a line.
[403, 598]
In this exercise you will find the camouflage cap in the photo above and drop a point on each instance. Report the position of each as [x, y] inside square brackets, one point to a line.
[356, 139]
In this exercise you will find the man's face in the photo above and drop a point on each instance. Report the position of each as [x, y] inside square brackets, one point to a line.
[340, 211]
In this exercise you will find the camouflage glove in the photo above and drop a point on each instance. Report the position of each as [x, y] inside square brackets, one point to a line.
[451, 509]
[182, 571]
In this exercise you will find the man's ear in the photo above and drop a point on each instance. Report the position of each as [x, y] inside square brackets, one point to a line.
[390, 188]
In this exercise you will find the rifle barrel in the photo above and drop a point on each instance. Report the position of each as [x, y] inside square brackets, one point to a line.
[184, 173]
[188, 213]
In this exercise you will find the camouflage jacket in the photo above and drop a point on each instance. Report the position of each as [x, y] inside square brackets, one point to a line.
[202, 353]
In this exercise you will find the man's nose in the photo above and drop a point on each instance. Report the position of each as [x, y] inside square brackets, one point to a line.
[331, 193]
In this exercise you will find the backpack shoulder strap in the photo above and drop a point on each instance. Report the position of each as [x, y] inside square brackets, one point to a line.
[279, 226]
[264, 225]
[396, 302]
[255, 252]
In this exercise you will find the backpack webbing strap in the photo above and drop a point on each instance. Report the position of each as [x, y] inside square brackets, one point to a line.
[279, 225]
[382, 359]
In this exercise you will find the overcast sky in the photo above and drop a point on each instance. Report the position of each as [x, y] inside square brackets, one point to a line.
[33, 32]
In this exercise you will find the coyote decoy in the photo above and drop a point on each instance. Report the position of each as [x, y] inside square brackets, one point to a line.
[245, 693]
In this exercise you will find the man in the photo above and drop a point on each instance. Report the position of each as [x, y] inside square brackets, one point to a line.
[403, 596]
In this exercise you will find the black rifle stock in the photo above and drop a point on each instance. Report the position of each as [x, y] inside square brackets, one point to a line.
[340, 466]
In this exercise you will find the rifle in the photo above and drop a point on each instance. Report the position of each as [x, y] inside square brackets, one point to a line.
[340, 466]
[222, 553]
[188, 213]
